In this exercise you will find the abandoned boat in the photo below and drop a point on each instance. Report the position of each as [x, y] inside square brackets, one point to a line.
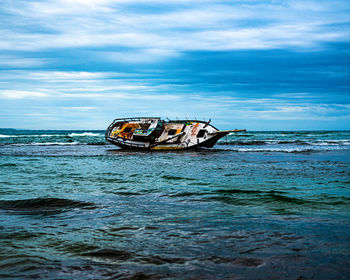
[155, 134]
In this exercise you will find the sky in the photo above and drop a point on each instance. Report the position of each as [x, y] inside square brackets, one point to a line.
[253, 64]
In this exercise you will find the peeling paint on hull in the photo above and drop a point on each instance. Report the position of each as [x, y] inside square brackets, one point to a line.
[155, 134]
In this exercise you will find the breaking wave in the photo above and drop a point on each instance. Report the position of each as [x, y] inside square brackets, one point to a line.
[284, 142]
[48, 144]
[284, 149]
[51, 138]
[84, 134]
[53, 135]
[279, 141]
[31, 135]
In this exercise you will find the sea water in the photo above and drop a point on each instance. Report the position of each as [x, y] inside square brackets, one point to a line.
[259, 205]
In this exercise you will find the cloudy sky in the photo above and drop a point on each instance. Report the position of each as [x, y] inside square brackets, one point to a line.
[254, 64]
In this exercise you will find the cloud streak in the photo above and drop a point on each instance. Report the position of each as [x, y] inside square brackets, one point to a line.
[108, 98]
[202, 26]
[21, 94]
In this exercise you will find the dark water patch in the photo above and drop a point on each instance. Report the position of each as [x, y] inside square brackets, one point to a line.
[286, 199]
[109, 174]
[128, 193]
[21, 265]
[239, 191]
[123, 228]
[20, 262]
[314, 202]
[14, 234]
[160, 260]
[8, 165]
[232, 236]
[44, 205]
[7, 183]
[298, 142]
[176, 178]
[140, 276]
[107, 232]
[246, 196]
[249, 262]
[31, 159]
[221, 191]
[220, 259]
[198, 184]
[76, 248]
[253, 197]
[284, 211]
[187, 194]
[136, 175]
[151, 228]
[244, 261]
[110, 254]
[333, 200]
[231, 175]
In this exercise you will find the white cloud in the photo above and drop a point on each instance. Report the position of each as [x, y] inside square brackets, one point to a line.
[20, 94]
[156, 35]
[66, 75]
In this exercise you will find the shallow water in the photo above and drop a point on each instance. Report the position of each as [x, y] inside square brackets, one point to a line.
[260, 205]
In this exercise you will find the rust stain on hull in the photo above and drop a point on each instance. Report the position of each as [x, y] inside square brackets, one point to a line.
[155, 134]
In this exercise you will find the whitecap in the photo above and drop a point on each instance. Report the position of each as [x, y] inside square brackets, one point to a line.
[31, 135]
[345, 142]
[48, 144]
[287, 149]
[84, 134]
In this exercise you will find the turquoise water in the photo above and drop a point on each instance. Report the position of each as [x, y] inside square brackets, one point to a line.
[259, 205]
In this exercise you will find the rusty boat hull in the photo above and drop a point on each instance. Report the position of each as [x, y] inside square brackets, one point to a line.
[143, 133]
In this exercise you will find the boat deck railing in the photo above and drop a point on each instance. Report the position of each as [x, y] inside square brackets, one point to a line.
[135, 119]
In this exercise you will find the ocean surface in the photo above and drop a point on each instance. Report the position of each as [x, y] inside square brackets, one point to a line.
[259, 205]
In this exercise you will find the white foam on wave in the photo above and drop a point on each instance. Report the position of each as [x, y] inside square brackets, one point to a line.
[53, 135]
[287, 149]
[322, 144]
[31, 135]
[344, 142]
[48, 144]
[84, 134]
[46, 135]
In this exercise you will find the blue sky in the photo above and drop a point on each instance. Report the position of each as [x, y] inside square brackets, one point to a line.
[259, 65]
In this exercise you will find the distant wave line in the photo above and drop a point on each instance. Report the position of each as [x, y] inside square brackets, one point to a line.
[52, 135]
[284, 150]
[48, 144]
[345, 142]
[84, 134]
